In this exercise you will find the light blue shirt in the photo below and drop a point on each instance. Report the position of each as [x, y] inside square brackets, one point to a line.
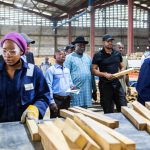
[59, 80]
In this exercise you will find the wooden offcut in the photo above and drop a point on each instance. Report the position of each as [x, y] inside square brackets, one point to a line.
[74, 136]
[134, 118]
[147, 122]
[52, 137]
[66, 113]
[33, 129]
[91, 145]
[141, 109]
[147, 104]
[59, 123]
[70, 136]
[112, 123]
[105, 140]
[121, 73]
[126, 143]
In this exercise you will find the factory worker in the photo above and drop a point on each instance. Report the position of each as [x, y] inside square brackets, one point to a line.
[23, 88]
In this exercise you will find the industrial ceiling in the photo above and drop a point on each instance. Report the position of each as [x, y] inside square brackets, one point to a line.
[60, 9]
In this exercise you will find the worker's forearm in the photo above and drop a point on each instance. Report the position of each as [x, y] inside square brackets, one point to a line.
[98, 73]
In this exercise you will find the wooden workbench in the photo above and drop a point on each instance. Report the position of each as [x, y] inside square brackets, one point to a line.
[15, 136]
[141, 138]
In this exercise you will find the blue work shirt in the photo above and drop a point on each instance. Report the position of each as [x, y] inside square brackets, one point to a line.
[18, 93]
[59, 80]
[143, 83]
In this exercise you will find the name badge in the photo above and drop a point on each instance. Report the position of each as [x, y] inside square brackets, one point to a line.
[29, 86]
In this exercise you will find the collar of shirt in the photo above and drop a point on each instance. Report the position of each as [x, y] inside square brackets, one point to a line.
[59, 66]
[24, 64]
[104, 52]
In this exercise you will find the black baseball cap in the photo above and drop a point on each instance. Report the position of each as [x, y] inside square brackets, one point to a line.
[107, 37]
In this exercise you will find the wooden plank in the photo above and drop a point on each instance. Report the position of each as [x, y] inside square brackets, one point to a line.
[60, 124]
[147, 122]
[141, 109]
[126, 143]
[91, 145]
[108, 121]
[33, 129]
[134, 118]
[124, 72]
[72, 146]
[66, 113]
[52, 137]
[105, 140]
[100, 118]
[147, 104]
[74, 136]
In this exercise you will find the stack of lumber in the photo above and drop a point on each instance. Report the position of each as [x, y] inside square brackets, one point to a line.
[133, 95]
[139, 115]
[80, 132]
[112, 123]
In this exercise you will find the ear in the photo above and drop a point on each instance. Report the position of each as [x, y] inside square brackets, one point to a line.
[55, 56]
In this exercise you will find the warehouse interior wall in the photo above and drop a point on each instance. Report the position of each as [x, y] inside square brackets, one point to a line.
[44, 37]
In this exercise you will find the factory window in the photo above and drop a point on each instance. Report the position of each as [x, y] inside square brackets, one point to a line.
[112, 16]
[11, 16]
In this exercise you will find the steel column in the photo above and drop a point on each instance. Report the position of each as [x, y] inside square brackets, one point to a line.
[69, 32]
[130, 27]
[92, 32]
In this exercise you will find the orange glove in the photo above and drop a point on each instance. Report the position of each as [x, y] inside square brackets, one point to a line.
[31, 112]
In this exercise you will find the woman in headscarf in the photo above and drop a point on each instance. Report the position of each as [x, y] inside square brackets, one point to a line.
[23, 90]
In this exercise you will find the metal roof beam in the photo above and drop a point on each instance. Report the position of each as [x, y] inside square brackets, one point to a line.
[62, 8]
[28, 10]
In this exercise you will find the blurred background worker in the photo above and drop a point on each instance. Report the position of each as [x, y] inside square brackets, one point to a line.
[23, 91]
[125, 79]
[59, 81]
[28, 56]
[45, 65]
[69, 49]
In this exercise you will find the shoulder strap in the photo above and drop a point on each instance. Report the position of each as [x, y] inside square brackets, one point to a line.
[30, 70]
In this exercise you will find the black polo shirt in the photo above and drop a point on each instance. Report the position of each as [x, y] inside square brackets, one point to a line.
[109, 63]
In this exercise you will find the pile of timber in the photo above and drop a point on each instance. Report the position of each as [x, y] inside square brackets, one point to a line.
[139, 115]
[133, 96]
[80, 132]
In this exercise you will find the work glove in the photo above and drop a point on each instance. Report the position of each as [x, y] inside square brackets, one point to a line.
[31, 112]
[94, 95]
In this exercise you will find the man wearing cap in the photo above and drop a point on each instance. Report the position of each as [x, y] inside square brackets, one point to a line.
[28, 57]
[69, 49]
[79, 64]
[23, 91]
[105, 63]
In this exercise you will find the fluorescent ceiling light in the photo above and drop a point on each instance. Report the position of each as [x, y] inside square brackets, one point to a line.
[63, 14]
[144, 5]
[137, 2]
[47, 13]
[18, 5]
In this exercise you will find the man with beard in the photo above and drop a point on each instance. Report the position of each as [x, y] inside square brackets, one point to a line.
[79, 64]
[59, 81]
[105, 63]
